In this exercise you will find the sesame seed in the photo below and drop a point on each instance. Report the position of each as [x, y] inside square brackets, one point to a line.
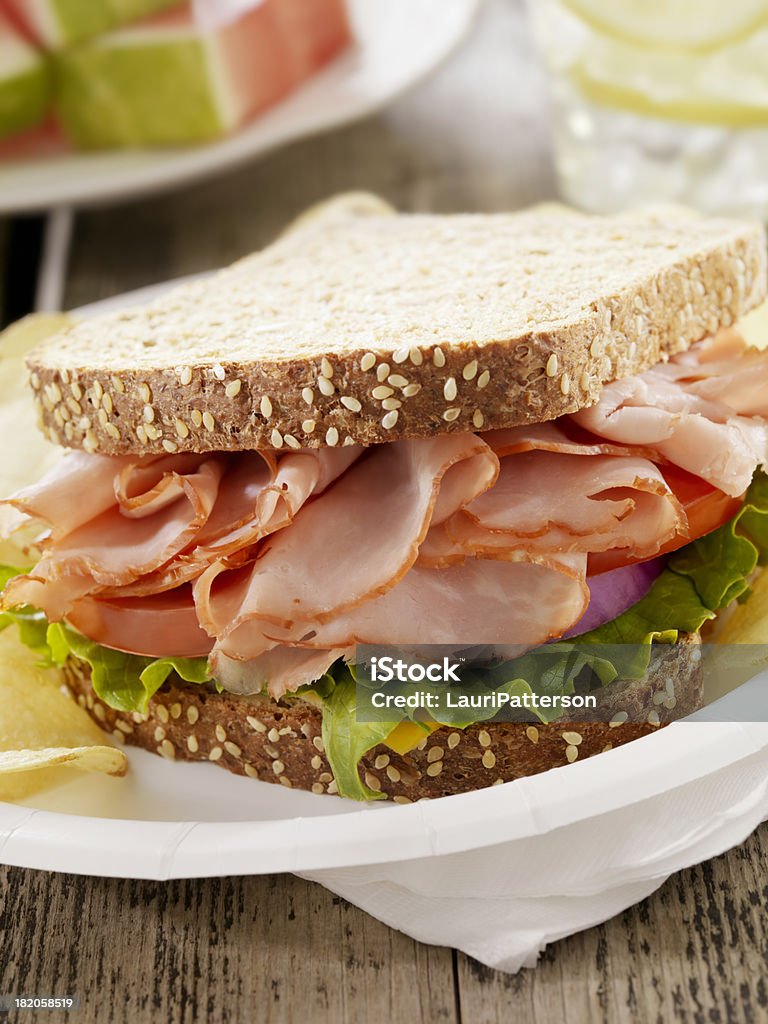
[255, 724]
[571, 753]
[451, 414]
[411, 390]
[276, 438]
[159, 734]
[185, 376]
[372, 782]
[453, 740]
[106, 401]
[382, 392]
[103, 418]
[167, 750]
[653, 717]
[265, 407]
[438, 358]
[325, 368]
[232, 749]
[433, 770]
[152, 432]
[325, 777]
[332, 787]
[489, 759]
[450, 389]
[192, 745]
[232, 390]
[317, 742]
[308, 426]
[99, 712]
[221, 733]
[435, 753]
[125, 727]
[401, 800]
[208, 421]
[367, 362]
[573, 737]
[397, 381]
[192, 714]
[390, 419]
[291, 441]
[391, 403]
[584, 380]
[470, 370]
[351, 403]
[551, 367]
[392, 773]
[75, 406]
[532, 733]
[144, 392]
[400, 355]
[170, 446]
[181, 428]
[382, 372]
[278, 767]
[325, 386]
[565, 384]
[477, 419]
[416, 357]
[90, 442]
[381, 761]
[77, 391]
[484, 738]
[332, 437]
[671, 703]
[482, 380]
[308, 395]
[141, 434]
[216, 754]
[97, 390]
[596, 348]
[660, 697]
[218, 371]
[348, 441]
[316, 762]
[197, 418]
[618, 719]
[317, 787]
[148, 414]
[250, 771]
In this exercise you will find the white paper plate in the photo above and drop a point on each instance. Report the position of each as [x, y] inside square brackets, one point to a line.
[168, 820]
[399, 42]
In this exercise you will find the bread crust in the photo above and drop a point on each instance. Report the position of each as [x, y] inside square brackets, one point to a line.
[367, 329]
[281, 741]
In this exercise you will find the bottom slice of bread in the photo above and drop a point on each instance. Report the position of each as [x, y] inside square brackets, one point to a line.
[281, 741]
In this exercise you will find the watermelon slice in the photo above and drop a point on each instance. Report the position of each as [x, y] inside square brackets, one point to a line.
[166, 82]
[58, 23]
[24, 82]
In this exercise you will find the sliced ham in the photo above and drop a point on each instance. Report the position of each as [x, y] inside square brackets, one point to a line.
[278, 671]
[499, 602]
[355, 541]
[163, 625]
[705, 423]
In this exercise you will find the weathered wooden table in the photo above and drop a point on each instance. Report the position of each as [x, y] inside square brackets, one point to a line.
[278, 948]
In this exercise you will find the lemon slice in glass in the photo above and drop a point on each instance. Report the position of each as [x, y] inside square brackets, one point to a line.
[727, 88]
[681, 24]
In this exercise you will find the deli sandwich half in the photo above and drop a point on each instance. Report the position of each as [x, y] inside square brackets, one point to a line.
[485, 431]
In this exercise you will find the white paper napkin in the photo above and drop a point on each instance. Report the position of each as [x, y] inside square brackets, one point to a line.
[503, 904]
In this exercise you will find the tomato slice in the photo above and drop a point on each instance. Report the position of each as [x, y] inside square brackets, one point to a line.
[706, 508]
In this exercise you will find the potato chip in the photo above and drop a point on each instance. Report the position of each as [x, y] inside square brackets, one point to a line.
[43, 732]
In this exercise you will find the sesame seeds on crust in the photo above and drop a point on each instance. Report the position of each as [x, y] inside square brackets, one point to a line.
[292, 336]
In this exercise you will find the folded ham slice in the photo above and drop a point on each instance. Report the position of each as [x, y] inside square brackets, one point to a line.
[700, 412]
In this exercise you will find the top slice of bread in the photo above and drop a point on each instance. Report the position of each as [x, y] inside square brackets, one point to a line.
[373, 328]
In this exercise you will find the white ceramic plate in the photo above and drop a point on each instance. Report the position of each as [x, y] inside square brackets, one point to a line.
[399, 42]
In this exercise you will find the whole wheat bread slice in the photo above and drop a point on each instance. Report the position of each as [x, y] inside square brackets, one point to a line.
[282, 742]
[373, 328]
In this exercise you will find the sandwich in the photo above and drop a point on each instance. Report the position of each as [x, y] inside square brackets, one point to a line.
[534, 439]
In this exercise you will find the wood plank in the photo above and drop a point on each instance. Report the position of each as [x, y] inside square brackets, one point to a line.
[267, 949]
[695, 950]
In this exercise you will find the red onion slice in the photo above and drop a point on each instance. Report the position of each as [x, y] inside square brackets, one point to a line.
[611, 593]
